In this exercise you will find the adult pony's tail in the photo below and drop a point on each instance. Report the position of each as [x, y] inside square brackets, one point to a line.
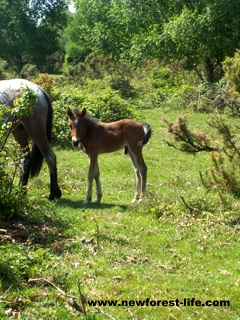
[36, 157]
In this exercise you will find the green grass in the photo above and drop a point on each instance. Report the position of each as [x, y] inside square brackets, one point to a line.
[156, 249]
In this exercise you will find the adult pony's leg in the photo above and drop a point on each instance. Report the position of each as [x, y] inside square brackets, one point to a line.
[140, 170]
[42, 148]
[50, 157]
[93, 173]
[55, 191]
[21, 136]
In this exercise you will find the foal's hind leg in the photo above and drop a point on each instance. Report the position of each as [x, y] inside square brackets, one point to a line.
[98, 184]
[141, 172]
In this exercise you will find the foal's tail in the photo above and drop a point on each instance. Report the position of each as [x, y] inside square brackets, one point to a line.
[36, 158]
[147, 134]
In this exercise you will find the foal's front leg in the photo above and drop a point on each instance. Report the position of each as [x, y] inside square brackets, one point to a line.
[93, 173]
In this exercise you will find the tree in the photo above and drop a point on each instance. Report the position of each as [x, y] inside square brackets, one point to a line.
[205, 35]
[30, 30]
[204, 32]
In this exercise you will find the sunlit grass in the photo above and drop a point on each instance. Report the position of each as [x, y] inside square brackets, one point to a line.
[157, 249]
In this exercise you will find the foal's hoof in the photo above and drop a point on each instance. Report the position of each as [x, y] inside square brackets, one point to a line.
[136, 199]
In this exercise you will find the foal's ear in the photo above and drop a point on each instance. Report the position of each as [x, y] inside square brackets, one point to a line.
[83, 113]
[69, 113]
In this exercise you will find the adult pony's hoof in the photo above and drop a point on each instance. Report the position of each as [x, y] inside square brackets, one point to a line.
[86, 202]
[55, 195]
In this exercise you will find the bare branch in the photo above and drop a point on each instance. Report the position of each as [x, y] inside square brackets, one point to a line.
[190, 142]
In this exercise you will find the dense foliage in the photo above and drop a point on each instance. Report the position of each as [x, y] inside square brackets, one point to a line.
[30, 33]
[12, 196]
[44, 33]
[203, 32]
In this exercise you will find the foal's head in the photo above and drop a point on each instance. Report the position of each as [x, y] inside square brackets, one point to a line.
[75, 123]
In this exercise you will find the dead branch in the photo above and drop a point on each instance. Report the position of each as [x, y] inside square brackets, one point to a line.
[190, 209]
[72, 299]
[190, 142]
[104, 313]
[53, 285]
[82, 298]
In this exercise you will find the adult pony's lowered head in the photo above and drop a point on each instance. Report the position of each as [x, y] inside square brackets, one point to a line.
[37, 126]
[98, 137]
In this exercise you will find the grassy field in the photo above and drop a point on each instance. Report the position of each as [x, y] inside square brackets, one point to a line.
[159, 249]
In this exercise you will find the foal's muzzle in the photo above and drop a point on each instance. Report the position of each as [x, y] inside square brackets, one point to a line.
[75, 142]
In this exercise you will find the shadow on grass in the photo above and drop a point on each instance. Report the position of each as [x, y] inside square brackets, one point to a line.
[92, 205]
[234, 222]
[39, 227]
[23, 240]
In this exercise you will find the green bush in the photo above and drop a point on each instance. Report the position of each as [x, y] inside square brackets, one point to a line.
[123, 86]
[19, 263]
[104, 104]
[231, 67]
[29, 71]
[231, 92]
[12, 198]
[108, 106]
[46, 82]
[63, 98]
[3, 66]
[162, 77]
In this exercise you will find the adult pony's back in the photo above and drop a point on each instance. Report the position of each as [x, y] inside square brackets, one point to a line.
[37, 126]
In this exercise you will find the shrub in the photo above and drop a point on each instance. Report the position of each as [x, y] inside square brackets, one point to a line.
[63, 98]
[12, 199]
[29, 71]
[162, 77]
[104, 104]
[123, 86]
[224, 176]
[231, 68]
[108, 106]
[3, 65]
[46, 82]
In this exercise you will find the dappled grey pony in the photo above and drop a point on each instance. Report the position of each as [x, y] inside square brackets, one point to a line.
[38, 127]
